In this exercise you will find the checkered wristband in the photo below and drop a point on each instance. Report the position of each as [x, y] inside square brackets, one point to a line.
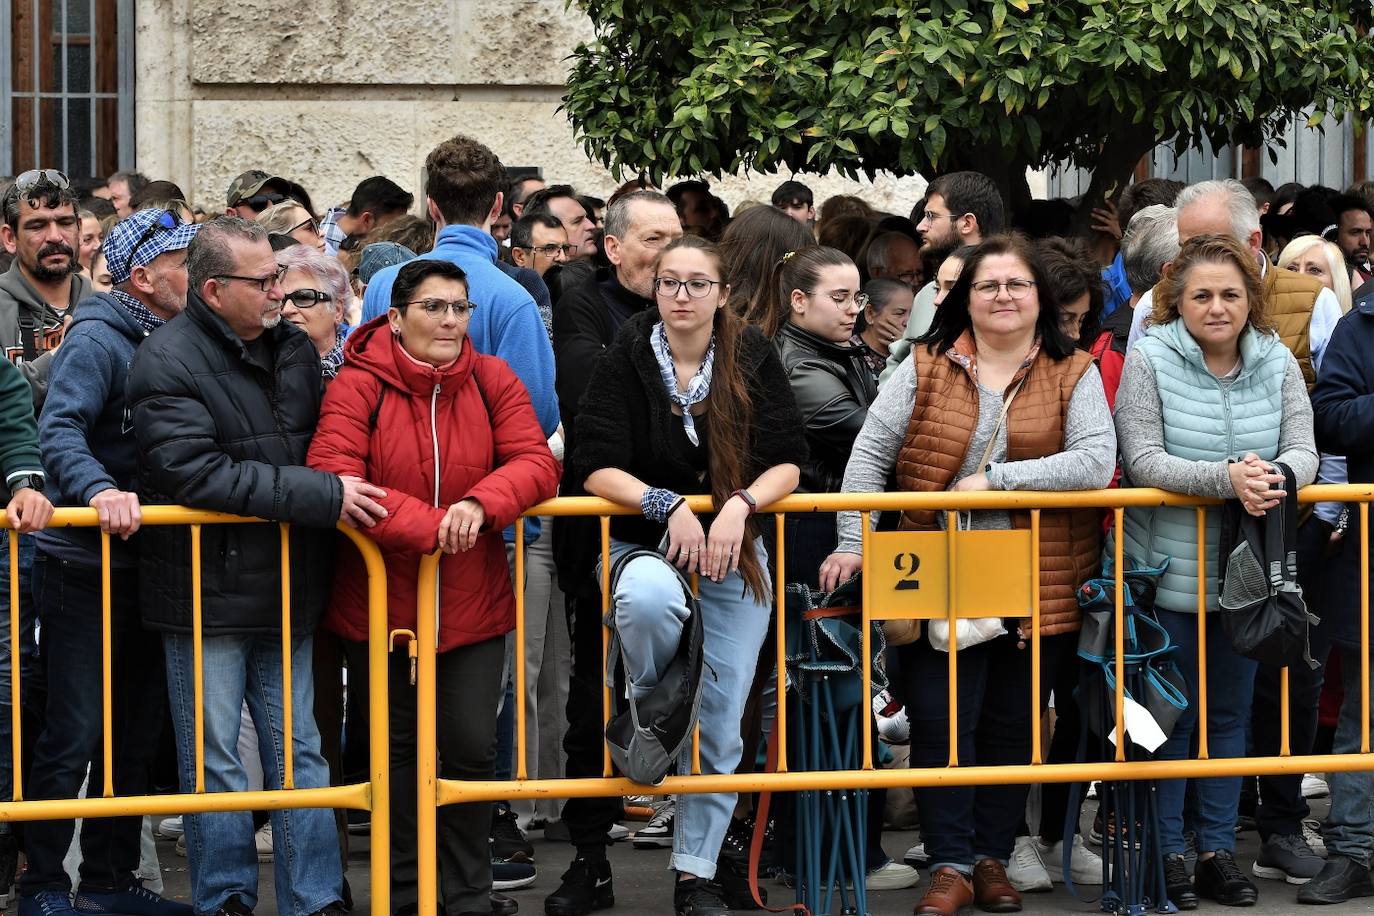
[657, 504]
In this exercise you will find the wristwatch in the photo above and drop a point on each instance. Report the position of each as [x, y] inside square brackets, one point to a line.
[31, 481]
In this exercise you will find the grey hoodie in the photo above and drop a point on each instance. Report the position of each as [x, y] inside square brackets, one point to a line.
[21, 303]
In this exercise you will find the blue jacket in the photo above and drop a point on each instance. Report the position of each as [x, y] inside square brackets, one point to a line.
[1343, 417]
[84, 431]
[1116, 290]
[506, 322]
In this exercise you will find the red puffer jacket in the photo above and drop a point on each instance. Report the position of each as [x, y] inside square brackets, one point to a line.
[474, 420]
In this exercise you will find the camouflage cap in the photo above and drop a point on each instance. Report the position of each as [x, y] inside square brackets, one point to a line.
[250, 183]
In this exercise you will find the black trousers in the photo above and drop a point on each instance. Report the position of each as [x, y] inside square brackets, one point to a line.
[588, 819]
[1281, 806]
[468, 688]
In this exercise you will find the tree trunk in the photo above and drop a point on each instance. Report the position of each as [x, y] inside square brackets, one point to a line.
[1112, 171]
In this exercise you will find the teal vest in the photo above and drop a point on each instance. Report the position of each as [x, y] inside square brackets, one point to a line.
[1203, 421]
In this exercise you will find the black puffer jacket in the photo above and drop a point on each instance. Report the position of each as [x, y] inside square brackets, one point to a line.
[216, 430]
[833, 387]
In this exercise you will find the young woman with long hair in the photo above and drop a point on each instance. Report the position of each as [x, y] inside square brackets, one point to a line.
[689, 399]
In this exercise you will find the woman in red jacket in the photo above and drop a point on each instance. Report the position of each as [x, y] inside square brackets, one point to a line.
[451, 436]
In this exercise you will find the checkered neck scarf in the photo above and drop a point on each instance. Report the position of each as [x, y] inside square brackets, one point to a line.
[146, 319]
[697, 389]
[332, 362]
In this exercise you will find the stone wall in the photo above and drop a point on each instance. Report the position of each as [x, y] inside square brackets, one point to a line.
[332, 91]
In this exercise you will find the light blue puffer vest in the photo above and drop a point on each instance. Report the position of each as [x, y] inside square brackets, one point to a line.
[1203, 421]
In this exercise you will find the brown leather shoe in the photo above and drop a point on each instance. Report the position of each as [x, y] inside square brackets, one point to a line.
[949, 894]
[992, 891]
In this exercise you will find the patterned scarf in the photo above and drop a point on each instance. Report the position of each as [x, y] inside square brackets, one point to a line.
[332, 362]
[697, 389]
[146, 319]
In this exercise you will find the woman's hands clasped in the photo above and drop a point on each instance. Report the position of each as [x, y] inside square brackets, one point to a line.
[714, 555]
[1257, 487]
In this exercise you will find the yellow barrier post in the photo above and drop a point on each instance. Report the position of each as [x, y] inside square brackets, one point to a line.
[16, 707]
[288, 754]
[866, 522]
[1202, 633]
[1035, 638]
[780, 599]
[426, 743]
[106, 668]
[518, 656]
[605, 639]
[198, 657]
[1119, 631]
[952, 616]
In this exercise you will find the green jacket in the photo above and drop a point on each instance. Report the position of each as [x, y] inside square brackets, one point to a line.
[19, 452]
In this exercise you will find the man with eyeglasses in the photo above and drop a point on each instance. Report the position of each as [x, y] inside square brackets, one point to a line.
[92, 459]
[961, 208]
[539, 241]
[253, 192]
[638, 226]
[43, 232]
[225, 400]
[894, 256]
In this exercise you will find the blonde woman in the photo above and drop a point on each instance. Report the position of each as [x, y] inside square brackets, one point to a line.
[1313, 256]
[290, 218]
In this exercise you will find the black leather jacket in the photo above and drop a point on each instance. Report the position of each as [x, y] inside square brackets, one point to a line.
[833, 387]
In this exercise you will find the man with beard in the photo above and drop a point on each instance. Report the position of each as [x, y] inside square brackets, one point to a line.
[42, 231]
[961, 208]
[1354, 225]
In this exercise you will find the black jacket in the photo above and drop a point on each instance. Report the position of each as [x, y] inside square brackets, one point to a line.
[833, 387]
[626, 421]
[216, 430]
[1343, 417]
[584, 324]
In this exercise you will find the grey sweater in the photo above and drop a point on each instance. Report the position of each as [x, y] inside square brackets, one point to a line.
[1086, 463]
[1140, 429]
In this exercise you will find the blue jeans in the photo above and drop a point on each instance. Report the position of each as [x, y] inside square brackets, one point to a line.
[650, 611]
[1349, 829]
[28, 650]
[1230, 689]
[220, 846]
[69, 595]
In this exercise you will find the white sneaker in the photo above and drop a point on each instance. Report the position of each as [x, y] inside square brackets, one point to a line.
[170, 827]
[1085, 866]
[263, 839]
[916, 856]
[1312, 833]
[892, 876]
[1314, 786]
[658, 833]
[1026, 871]
[618, 832]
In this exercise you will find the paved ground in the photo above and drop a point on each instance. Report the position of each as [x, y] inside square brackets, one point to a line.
[642, 882]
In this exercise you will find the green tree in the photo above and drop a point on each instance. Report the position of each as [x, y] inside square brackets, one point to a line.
[705, 87]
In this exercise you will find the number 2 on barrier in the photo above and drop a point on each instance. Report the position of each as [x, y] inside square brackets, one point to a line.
[910, 572]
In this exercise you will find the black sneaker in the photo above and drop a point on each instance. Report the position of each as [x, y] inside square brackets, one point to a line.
[501, 905]
[1340, 879]
[234, 906]
[698, 897]
[586, 887]
[1177, 884]
[507, 842]
[733, 877]
[1220, 878]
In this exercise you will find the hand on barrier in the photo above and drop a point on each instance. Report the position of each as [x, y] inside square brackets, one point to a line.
[724, 541]
[838, 569]
[119, 512]
[360, 510]
[1254, 483]
[461, 526]
[685, 540]
[28, 510]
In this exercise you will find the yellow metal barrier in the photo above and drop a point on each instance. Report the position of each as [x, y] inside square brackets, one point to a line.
[446, 792]
[372, 795]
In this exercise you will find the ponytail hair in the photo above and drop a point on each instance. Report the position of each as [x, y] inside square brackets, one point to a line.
[800, 269]
[729, 411]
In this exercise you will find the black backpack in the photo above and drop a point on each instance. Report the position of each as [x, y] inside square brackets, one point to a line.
[647, 735]
[1262, 608]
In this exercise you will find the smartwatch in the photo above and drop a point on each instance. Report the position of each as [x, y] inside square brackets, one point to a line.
[31, 481]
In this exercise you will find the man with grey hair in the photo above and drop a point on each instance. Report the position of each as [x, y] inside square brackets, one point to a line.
[894, 256]
[638, 226]
[224, 401]
[1304, 311]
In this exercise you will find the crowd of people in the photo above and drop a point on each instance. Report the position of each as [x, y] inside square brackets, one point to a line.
[428, 377]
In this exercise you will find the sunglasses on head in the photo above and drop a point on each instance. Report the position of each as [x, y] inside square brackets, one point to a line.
[34, 177]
